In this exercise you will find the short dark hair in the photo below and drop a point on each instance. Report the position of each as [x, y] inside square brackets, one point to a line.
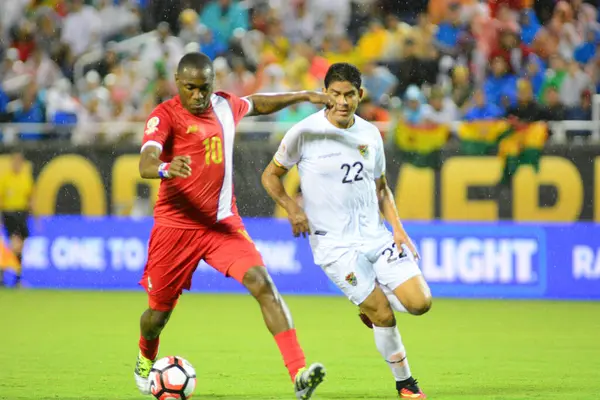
[194, 60]
[343, 72]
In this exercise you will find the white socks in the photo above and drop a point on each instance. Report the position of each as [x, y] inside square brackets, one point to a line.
[389, 344]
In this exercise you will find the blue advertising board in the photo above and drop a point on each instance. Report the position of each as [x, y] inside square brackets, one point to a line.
[471, 260]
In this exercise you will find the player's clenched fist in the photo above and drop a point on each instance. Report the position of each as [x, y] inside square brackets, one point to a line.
[179, 167]
[299, 222]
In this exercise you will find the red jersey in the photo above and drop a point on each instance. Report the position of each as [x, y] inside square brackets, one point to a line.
[206, 197]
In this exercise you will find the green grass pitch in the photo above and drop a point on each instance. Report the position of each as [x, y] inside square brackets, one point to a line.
[82, 345]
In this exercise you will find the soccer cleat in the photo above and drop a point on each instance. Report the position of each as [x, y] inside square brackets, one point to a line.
[363, 317]
[409, 389]
[307, 380]
[141, 373]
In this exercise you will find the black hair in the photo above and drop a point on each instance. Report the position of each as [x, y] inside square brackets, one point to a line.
[194, 60]
[343, 72]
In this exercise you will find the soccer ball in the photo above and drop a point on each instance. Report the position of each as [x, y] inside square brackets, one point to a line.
[172, 378]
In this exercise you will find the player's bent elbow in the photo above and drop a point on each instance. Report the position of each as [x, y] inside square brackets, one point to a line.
[268, 179]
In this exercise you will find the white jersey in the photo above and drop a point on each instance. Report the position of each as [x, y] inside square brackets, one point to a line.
[338, 169]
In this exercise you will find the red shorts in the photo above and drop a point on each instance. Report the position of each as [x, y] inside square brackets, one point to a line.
[174, 254]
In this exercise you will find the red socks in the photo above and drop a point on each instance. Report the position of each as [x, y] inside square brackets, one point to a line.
[149, 348]
[293, 356]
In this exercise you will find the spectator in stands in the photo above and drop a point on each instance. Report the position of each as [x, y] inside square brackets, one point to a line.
[575, 82]
[208, 44]
[241, 80]
[587, 18]
[527, 109]
[449, 30]
[343, 51]
[515, 54]
[412, 70]
[530, 25]
[223, 17]
[96, 112]
[461, 86]
[82, 28]
[189, 28]
[328, 28]
[586, 51]
[512, 5]
[12, 69]
[373, 112]
[534, 73]
[4, 117]
[44, 71]
[555, 75]
[24, 40]
[222, 74]
[423, 36]
[298, 75]
[378, 81]
[441, 109]
[109, 60]
[501, 82]
[371, 44]
[556, 111]
[582, 112]
[318, 64]
[295, 113]
[480, 109]
[164, 46]
[412, 110]
[396, 33]
[48, 32]
[116, 16]
[276, 43]
[29, 110]
[299, 22]
[61, 105]
[562, 24]
[490, 28]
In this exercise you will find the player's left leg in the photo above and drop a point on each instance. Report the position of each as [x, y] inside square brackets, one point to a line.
[236, 256]
[389, 343]
[399, 274]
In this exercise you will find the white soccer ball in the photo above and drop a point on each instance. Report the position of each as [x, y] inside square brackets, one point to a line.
[172, 378]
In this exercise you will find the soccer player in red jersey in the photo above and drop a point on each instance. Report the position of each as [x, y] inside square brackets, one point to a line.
[188, 144]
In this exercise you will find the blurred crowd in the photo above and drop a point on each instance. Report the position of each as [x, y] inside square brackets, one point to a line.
[78, 62]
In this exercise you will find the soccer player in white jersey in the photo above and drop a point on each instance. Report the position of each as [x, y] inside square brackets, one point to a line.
[341, 161]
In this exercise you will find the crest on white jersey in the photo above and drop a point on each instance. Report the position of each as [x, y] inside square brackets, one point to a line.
[363, 149]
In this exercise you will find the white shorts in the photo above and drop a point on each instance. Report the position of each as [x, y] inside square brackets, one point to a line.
[358, 271]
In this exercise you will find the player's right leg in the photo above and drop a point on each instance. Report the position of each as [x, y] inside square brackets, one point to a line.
[234, 254]
[173, 256]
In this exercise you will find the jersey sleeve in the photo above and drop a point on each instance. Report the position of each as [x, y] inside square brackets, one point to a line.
[290, 149]
[379, 158]
[240, 106]
[157, 129]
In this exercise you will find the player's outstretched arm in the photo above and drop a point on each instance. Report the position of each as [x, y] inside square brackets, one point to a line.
[271, 181]
[151, 167]
[387, 205]
[270, 103]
